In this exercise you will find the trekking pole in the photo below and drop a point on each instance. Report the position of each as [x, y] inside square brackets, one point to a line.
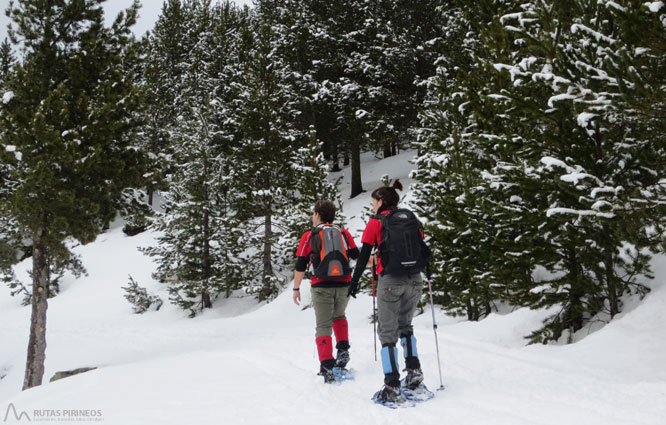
[434, 328]
[374, 309]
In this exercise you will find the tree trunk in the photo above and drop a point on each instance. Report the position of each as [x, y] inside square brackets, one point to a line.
[150, 197]
[573, 318]
[345, 157]
[34, 371]
[610, 282]
[268, 266]
[356, 183]
[334, 157]
[205, 294]
[387, 149]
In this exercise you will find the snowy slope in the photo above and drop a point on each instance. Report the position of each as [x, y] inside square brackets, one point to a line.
[256, 364]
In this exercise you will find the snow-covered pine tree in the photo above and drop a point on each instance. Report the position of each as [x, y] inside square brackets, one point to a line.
[575, 165]
[451, 194]
[167, 48]
[263, 107]
[398, 53]
[69, 127]
[7, 60]
[640, 70]
[198, 250]
[323, 45]
[9, 243]
[311, 184]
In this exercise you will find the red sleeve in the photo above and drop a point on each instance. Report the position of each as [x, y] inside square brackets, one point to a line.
[304, 246]
[350, 240]
[372, 232]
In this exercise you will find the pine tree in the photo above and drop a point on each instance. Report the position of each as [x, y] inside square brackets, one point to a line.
[451, 194]
[320, 39]
[167, 48]
[197, 252]
[399, 54]
[260, 116]
[591, 149]
[69, 126]
[568, 176]
[9, 240]
[7, 60]
[310, 184]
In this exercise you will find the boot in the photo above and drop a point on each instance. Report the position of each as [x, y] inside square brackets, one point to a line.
[326, 370]
[389, 394]
[343, 354]
[342, 359]
[414, 379]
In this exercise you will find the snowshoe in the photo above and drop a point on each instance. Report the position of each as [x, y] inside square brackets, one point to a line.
[343, 374]
[418, 393]
[391, 397]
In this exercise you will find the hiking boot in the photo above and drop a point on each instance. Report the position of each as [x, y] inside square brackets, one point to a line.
[390, 394]
[326, 370]
[414, 379]
[342, 359]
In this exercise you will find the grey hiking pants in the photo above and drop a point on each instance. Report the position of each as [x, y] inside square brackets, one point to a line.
[329, 306]
[397, 297]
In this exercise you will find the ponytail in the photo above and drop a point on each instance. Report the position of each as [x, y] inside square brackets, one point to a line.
[388, 194]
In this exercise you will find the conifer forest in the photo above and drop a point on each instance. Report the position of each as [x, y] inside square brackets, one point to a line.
[538, 129]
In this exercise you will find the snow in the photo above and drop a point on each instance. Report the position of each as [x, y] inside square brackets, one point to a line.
[7, 97]
[596, 34]
[11, 148]
[616, 6]
[584, 119]
[250, 363]
[555, 211]
[655, 6]
[559, 97]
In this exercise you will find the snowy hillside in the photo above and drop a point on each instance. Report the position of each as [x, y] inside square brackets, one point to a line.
[256, 364]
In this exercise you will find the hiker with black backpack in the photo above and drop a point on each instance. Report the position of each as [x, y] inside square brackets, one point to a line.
[402, 254]
[329, 249]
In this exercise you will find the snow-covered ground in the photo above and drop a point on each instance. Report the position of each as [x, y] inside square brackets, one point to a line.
[243, 363]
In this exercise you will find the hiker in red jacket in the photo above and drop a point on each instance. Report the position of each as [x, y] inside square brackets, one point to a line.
[328, 248]
[399, 289]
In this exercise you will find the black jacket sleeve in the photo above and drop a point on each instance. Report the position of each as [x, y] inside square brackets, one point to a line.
[353, 253]
[362, 261]
[302, 264]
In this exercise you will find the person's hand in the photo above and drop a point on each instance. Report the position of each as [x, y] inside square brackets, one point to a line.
[353, 289]
[297, 296]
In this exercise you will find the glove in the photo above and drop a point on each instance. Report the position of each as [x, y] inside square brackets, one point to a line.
[353, 289]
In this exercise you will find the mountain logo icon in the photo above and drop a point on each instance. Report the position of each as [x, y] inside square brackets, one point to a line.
[11, 408]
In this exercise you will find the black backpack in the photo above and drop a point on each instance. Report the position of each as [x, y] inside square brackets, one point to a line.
[402, 249]
[329, 253]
